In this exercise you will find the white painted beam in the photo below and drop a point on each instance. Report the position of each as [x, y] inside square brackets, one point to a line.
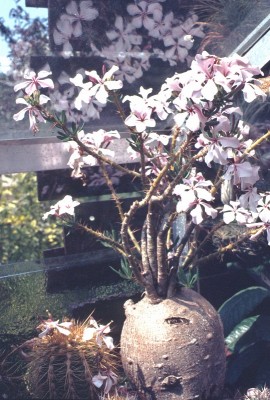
[41, 154]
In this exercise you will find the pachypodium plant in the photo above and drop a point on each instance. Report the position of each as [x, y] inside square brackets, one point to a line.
[201, 170]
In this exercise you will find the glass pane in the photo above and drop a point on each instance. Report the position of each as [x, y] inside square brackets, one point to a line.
[147, 43]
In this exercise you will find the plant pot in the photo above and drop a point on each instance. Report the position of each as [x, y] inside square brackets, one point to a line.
[174, 349]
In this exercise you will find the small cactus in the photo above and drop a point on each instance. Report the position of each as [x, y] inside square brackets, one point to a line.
[257, 394]
[71, 361]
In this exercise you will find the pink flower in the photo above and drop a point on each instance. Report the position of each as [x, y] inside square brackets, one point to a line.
[64, 206]
[217, 147]
[203, 69]
[175, 84]
[142, 98]
[193, 188]
[157, 138]
[34, 82]
[234, 72]
[160, 104]
[100, 139]
[252, 91]
[215, 152]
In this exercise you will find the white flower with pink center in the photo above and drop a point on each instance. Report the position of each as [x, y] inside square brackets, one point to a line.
[263, 207]
[102, 86]
[34, 113]
[249, 200]
[234, 212]
[195, 194]
[261, 227]
[125, 35]
[97, 141]
[78, 12]
[50, 325]
[162, 25]
[62, 34]
[140, 118]
[217, 146]
[243, 173]
[62, 207]
[34, 81]
[190, 115]
[98, 332]
[108, 377]
[144, 14]
[141, 112]
[202, 207]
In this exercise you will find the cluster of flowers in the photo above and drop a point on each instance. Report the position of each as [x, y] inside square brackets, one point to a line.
[146, 31]
[93, 330]
[200, 101]
[128, 47]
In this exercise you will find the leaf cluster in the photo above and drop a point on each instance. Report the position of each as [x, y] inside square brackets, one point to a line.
[247, 336]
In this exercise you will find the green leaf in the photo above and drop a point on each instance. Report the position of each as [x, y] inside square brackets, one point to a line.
[125, 270]
[62, 136]
[74, 127]
[239, 331]
[63, 139]
[63, 117]
[259, 331]
[239, 306]
[187, 278]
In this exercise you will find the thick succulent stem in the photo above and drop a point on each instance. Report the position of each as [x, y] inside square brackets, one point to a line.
[151, 234]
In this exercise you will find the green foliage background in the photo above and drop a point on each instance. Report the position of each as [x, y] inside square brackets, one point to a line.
[23, 233]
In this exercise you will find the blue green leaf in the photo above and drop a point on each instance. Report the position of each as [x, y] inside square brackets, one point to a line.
[239, 306]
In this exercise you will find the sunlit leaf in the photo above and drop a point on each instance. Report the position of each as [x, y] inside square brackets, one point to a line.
[239, 331]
